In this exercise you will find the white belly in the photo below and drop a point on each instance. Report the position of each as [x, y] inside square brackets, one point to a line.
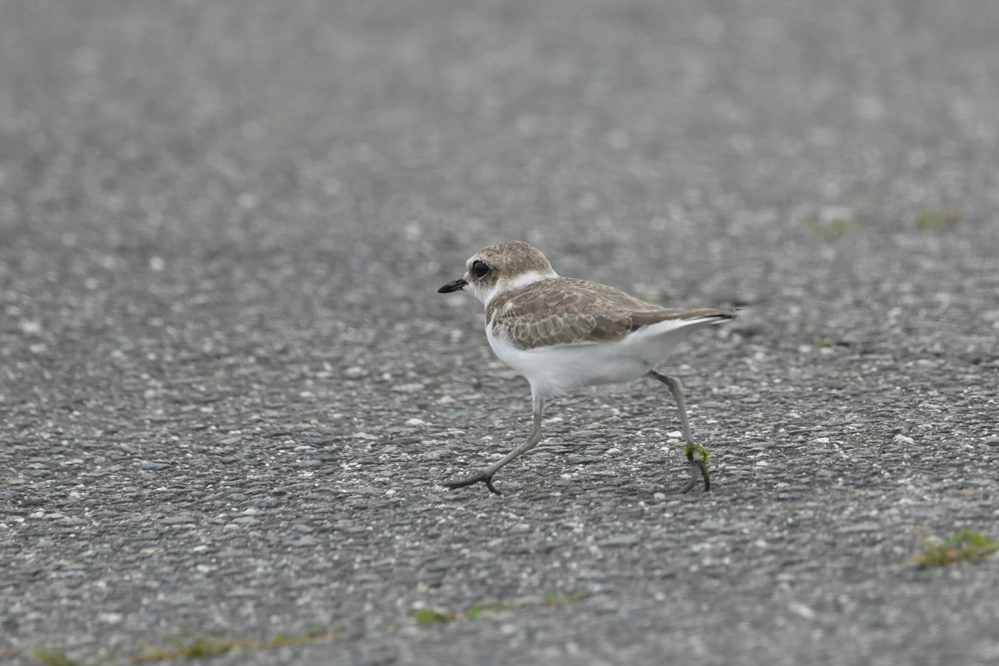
[557, 370]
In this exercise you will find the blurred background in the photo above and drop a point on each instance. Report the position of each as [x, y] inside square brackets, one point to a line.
[222, 228]
[685, 147]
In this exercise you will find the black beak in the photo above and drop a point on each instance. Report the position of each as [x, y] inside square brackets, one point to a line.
[457, 285]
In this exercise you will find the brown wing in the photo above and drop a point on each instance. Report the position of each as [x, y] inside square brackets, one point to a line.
[563, 311]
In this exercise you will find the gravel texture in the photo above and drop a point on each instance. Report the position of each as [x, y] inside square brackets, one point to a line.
[229, 391]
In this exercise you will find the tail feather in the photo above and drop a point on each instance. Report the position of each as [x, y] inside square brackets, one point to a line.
[658, 341]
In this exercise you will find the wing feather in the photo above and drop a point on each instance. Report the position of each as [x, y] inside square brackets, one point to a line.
[563, 311]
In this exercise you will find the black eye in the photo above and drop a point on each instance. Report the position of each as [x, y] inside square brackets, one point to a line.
[479, 269]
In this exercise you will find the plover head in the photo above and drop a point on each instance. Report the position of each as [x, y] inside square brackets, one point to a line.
[497, 268]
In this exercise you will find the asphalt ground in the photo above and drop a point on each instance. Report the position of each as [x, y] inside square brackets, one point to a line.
[229, 390]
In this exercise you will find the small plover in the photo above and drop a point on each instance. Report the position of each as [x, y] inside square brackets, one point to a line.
[561, 334]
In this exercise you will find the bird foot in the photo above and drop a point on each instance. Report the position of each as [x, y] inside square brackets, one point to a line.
[698, 468]
[482, 476]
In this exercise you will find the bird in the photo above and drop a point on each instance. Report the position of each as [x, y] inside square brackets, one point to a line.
[563, 333]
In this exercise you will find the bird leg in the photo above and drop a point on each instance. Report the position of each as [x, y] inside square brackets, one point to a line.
[486, 475]
[698, 465]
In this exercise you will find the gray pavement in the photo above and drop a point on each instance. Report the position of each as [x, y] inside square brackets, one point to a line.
[229, 391]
